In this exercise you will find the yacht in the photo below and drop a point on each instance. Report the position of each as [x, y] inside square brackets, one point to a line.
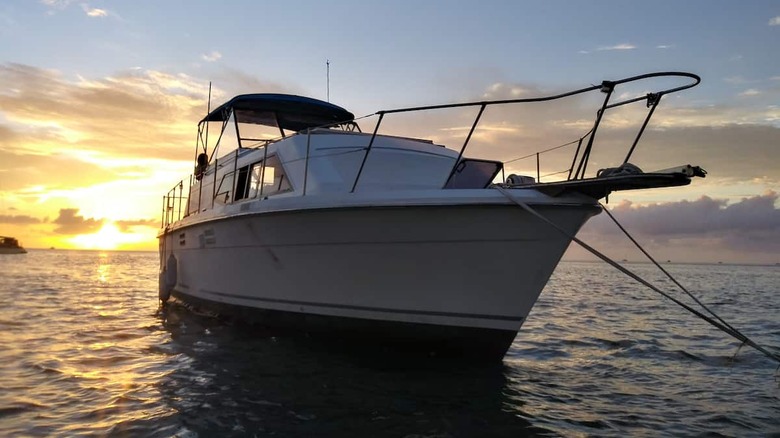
[9, 245]
[319, 227]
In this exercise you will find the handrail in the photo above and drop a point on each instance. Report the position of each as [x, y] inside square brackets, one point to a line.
[696, 79]
[172, 205]
[606, 87]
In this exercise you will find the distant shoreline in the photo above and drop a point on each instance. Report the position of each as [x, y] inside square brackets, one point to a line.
[634, 262]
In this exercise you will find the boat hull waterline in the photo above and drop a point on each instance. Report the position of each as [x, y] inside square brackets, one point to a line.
[462, 278]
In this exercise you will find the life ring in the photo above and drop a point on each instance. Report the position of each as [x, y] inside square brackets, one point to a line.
[168, 278]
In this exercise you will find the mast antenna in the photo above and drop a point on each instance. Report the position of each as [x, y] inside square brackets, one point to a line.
[327, 77]
[208, 111]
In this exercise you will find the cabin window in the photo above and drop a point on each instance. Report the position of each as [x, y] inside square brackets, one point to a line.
[473, 174]
[242, 188]
[223, 189]
[274, 178]
[266, 181]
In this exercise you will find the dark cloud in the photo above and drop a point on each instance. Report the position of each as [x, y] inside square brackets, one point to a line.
[68, 222]
[125, 226]
[703, 229]
[19, 219]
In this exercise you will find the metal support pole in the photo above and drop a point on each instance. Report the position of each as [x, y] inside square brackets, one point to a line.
[606, 87]
[652, 101]
[368, 149]
[306, 163]
[262, 171]
[538, 177]
[465, 143]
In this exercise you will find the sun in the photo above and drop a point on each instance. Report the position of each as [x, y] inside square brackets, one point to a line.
[109, 237]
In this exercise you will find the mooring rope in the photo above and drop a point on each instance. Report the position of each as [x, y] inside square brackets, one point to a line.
[720, 324]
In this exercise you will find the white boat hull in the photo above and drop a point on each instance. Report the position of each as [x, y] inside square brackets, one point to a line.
[444, 273]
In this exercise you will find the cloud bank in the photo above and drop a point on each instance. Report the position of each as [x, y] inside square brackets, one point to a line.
[18, 220]
[70, 223]
[706, 229]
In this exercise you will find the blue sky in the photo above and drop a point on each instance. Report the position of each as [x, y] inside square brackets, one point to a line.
[402, 48]
[113, 89]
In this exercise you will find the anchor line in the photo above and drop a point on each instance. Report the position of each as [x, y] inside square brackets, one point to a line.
[724, 327]
[661, 268]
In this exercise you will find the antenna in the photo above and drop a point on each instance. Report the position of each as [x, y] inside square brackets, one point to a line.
[208, 111]
[327, 76]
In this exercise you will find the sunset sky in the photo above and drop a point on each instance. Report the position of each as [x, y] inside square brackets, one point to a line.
[99, 101]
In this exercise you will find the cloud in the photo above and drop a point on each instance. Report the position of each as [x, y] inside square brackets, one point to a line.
[624, 46]
[57, 4]
[750, 92]
[665, 46]
[775, 21]
[125, 225]
[94, 12]
[747, 230]
[151, 113]
[735, 80]
[212, 56]
[18, 220]
[68, 222]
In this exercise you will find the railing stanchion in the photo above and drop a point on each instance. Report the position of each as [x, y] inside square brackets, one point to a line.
[306, 163]
[368, 149]
[652, 101]
[465, 143]
[538, 176]
[262, 171]
[189, 198]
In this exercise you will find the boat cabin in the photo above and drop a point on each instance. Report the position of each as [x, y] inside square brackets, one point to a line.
[270, 145]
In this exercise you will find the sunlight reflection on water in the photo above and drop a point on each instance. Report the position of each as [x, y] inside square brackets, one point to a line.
[84, 351]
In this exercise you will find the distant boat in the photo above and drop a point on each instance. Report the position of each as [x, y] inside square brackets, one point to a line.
[330, 229]
[9, 245]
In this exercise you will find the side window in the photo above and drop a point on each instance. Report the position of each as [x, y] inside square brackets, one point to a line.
[268, 181]
[241, 183]
[473, 174]
[274, 179]
[223, 189]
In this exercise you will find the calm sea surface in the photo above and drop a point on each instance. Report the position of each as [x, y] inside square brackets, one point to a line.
[84, 351]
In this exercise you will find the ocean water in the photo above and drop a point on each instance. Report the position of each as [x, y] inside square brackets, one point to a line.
[84, 351]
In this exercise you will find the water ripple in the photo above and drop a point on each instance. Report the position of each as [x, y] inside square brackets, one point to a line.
[87, 353]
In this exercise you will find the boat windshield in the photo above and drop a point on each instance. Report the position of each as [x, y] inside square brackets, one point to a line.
[256, 128]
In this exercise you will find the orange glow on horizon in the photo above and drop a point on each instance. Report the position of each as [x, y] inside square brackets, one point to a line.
[108, 238]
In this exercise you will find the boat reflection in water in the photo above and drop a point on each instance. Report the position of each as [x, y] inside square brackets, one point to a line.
[323, 228]
[249, 381]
